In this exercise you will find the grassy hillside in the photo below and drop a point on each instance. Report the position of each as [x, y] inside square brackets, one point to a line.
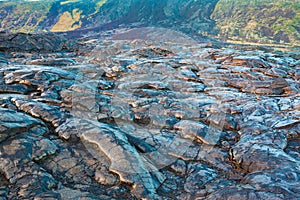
[23, 16]
[189, 16]
[54, 16]
[264, 21]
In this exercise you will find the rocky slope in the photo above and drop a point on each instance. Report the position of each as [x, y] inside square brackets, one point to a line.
[190, 16]
[131, 119]
[265, 21]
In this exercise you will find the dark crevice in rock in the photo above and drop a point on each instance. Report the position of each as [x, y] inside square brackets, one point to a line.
[3, 181]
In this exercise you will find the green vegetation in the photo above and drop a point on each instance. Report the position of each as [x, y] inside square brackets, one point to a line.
[29, 16]
[68, 21]
[23, 16]
[264, 21]
[254, 21]
[68, 1]
[75, 12]
[99, 4]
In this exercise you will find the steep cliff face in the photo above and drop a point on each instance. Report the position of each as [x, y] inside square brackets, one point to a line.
[265, 21]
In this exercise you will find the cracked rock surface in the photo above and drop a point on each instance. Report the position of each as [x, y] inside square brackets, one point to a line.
[132, 119]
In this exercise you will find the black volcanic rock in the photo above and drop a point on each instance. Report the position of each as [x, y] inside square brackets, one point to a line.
[135, 119]
[34, 42]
